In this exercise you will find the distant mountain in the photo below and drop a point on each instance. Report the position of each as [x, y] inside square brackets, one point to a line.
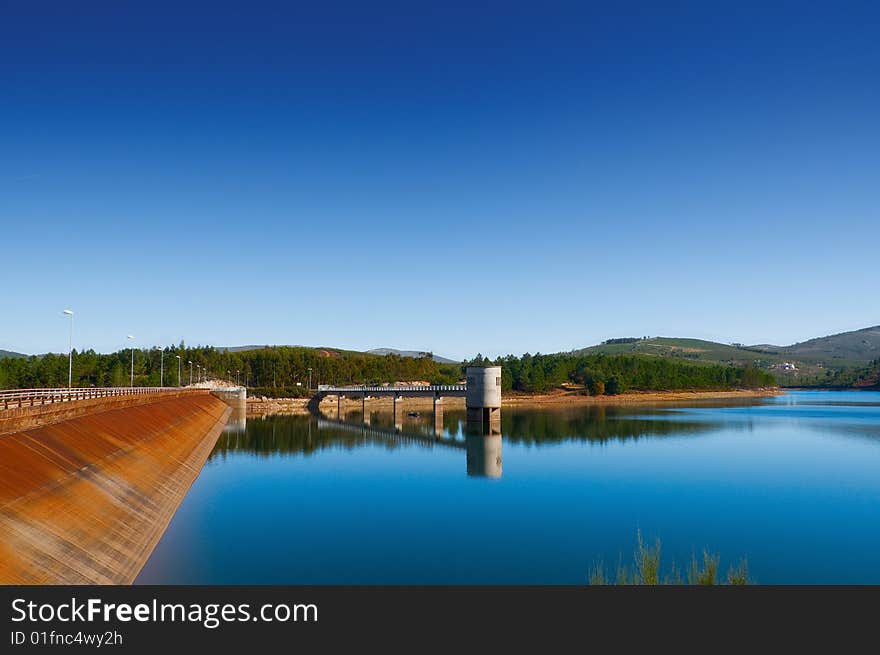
[10, 354]
[239, 349]
[411, 353]
[838, 351]
[333, 351]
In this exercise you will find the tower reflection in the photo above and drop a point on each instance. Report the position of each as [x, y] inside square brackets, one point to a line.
[483, 444]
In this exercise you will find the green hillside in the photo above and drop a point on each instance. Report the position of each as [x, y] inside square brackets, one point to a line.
[696, 350]
[809, 362]
[8, 353]
[860, 346]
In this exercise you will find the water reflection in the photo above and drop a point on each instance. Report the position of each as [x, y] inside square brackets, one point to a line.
[270, 436]
[791, 484]
[483, 456]
[237, 423]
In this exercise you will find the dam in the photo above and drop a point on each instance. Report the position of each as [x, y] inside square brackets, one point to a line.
[89, 482]
[91, 478]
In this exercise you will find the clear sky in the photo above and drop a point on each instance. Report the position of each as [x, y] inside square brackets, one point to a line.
[459, 177]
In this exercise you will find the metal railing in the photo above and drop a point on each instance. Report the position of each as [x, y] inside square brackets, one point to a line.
[329, 388]
[30, 397]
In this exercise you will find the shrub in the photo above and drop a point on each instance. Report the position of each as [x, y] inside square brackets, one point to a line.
[612, 386]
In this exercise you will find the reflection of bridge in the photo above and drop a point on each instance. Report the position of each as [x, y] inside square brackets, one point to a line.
[483, 451]
[403, 436]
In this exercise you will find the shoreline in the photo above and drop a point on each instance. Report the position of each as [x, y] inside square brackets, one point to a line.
[260, 406]
[633, 397]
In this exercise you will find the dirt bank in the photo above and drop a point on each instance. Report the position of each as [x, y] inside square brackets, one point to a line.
[631, 398]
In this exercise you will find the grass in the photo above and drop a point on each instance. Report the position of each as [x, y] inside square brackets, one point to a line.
[646, 569]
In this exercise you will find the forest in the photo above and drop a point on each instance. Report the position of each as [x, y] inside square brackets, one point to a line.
[613, 374]
[867, 377]
[284, 371]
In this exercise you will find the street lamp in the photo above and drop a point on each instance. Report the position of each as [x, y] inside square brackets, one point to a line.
[310, 378]
[69, 312]
[236, 376]
[132, 360]
[178, 370]
[189, 361]
[161, 366]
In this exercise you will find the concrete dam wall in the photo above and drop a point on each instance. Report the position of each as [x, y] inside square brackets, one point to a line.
[85, 499]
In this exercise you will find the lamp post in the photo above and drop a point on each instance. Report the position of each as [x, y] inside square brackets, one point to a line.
[69, 312]
[132, 360]
[236, 376]
[161, 366]
[310, 378]
[178, 371]
[189, 361]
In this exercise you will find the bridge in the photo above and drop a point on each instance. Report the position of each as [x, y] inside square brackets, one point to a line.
[482, 394]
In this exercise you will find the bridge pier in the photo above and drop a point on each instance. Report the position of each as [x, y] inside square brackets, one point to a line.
[364, 414]
[340, 399]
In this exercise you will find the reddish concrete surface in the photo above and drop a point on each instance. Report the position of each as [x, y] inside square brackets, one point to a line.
[85, 500]
[25, 418]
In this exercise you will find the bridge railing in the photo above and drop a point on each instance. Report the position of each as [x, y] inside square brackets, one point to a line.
[329, 388]
[29, 397]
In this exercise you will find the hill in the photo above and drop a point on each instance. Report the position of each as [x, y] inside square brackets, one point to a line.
[10, 354]
[331, 352]
[792, 364]
[411, 353]
[857, 346]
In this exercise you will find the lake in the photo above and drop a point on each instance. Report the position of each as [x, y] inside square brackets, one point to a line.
[792, 483]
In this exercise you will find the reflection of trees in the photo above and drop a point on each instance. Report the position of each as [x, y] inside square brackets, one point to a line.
[292, 435]
[593, 424]
[300, 434]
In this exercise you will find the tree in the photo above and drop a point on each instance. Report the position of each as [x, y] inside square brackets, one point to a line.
[597, 388]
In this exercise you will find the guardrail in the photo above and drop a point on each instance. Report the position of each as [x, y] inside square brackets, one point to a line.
[30, 397]
[328, 388]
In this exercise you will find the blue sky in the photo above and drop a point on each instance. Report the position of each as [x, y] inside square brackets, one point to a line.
[506, 178]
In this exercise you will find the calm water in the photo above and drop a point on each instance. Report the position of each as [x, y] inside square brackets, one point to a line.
[792, 483]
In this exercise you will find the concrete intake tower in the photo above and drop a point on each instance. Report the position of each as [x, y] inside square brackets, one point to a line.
[483, 398]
